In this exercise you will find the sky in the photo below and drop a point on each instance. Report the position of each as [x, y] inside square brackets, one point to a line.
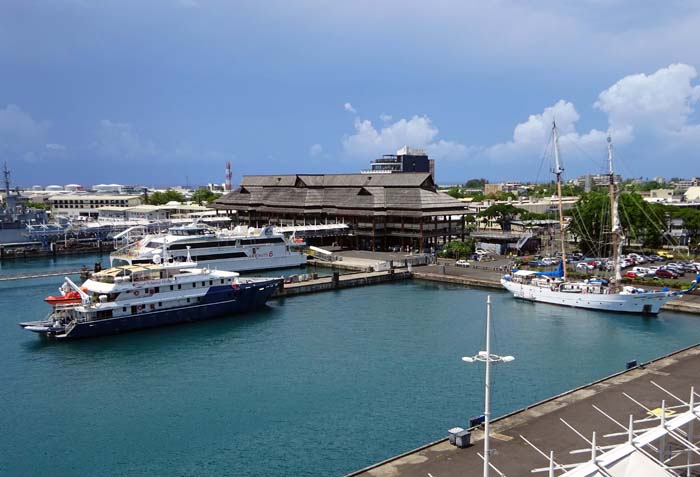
[164, 92]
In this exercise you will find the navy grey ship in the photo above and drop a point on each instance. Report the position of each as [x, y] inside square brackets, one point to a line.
[133, 297]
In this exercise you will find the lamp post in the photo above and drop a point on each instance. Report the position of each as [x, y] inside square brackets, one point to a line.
[488, 358]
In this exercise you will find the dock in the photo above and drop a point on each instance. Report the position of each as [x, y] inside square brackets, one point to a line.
[27, 276]
[337, 281]
[524, 439]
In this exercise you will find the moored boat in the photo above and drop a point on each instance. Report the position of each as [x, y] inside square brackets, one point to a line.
[595, 294]
[133, 297]
[240, 249]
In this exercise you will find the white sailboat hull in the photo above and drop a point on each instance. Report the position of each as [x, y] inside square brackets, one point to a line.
[641, 303]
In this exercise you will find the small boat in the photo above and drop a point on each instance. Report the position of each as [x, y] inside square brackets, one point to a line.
[70, 298]
[134, 297]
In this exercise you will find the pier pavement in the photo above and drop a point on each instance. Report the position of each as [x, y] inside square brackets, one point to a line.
[542, 425]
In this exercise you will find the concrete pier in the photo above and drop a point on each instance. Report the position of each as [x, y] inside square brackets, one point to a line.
[338, 281]
[541, 423]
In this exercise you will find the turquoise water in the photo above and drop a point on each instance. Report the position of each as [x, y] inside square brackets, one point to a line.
[315, 385]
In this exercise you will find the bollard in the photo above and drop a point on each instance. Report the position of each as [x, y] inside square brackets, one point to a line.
[336, 279]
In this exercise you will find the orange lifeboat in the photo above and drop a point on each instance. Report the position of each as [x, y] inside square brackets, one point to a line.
[70, 298]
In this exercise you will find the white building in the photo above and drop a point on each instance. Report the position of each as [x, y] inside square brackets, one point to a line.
[87, 205]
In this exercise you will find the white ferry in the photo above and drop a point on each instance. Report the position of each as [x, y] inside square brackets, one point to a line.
[132, 297]
[240, 249]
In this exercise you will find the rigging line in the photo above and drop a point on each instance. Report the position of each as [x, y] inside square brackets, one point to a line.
[656, 223]
[544, 156]
[599, 163]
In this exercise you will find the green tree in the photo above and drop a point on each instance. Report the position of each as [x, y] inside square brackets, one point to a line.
[162, 198]
[476, 184]
[504, 214]
[36, 205]
[591, 222]
[455, 192]
[458, 249]
[201, 196]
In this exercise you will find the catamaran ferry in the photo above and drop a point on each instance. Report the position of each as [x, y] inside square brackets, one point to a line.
[240, 249]
[132, 297]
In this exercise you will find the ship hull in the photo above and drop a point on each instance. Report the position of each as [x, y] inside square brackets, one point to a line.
[649, 303]
[217, 302]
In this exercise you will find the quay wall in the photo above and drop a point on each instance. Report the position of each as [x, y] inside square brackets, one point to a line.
[340, 281]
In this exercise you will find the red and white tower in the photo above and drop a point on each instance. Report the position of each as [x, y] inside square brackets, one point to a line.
[227, 187]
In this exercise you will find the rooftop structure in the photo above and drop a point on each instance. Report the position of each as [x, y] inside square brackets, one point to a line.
[406, 159]
[383, 210]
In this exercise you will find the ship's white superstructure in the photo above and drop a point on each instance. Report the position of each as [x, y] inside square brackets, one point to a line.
[240, 249]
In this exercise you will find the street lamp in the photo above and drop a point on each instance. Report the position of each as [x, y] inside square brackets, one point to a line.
[488, 358]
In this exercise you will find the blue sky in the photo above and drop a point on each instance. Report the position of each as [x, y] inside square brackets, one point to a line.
[166, 91]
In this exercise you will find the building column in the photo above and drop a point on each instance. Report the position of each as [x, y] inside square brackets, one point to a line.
[421, 240]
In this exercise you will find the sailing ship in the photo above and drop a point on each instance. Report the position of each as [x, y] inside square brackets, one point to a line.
[595, 294]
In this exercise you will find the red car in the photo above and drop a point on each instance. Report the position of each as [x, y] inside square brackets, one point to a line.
[661, 273]
[630, 275]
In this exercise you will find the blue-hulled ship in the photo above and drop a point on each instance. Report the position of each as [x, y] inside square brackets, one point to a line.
[133, 297]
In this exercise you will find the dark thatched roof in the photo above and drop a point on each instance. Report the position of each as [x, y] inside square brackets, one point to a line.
[350, 194]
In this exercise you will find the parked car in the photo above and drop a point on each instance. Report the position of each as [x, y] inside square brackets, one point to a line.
[656, 258]
[584, 267]
[630, 275]
[665, 273]
[462, 263]
[665, 254]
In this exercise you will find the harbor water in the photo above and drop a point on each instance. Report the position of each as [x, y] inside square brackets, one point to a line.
[312, 385]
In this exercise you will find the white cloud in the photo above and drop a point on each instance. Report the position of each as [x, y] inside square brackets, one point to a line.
[385, 117]
[18, 128]
[659, 103]
[532, 136]
[418, 131]
[55, 147]
[121, 141]
[651, 112]
[348, 107]
[315, 150]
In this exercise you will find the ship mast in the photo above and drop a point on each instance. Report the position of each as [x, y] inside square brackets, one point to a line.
[614, 217]
[558, 169]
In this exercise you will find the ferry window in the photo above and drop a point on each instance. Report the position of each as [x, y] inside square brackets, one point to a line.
[188, 300]
[179, 287]
[222, 281]
[124, 309]
[194, 285]
[204, 284]
[160, 303]
[157, 290]
[171, 288]
[211, 282]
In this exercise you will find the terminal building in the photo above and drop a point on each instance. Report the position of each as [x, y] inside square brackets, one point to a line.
[385, 211]
[87, 205]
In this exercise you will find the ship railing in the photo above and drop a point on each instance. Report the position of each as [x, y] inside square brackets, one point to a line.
[70, 326]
